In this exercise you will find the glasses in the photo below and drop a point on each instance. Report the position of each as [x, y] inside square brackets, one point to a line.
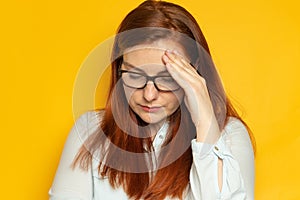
[139, 81]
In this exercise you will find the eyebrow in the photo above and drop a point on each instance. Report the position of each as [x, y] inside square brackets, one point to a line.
[136, 68]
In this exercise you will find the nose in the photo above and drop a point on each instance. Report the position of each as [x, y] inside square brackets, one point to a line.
[150, 92]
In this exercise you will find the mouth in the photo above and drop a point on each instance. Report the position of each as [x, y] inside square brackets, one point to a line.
[151, 109]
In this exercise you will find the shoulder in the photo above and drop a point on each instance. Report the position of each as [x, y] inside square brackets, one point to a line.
[87, 123]
[235, 133]
[88, 117]
[93, 117]
[234, 123]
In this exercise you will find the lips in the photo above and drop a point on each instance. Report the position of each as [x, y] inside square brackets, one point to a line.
[151, 109]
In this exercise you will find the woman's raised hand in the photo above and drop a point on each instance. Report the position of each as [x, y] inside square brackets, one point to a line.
[196, 97]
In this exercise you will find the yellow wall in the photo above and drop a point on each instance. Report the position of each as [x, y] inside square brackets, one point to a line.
[255, 44]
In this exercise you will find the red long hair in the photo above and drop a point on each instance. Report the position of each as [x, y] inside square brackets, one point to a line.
[170, 179]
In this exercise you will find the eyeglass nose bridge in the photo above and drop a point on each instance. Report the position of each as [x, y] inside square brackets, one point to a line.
[152, 79]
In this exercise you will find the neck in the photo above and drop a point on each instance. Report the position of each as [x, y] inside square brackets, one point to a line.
[154, 128]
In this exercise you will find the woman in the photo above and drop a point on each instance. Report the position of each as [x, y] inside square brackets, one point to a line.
[168, 130]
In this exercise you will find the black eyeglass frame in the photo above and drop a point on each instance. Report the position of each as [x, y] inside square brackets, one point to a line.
[148, 78]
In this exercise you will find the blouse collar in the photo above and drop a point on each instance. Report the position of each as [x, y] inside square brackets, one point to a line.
[160, 136]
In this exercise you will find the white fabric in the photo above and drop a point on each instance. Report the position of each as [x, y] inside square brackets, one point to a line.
[233, 147]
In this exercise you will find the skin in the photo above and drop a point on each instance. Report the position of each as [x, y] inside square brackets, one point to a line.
[197, 101]
[148, 59]
[165, 55]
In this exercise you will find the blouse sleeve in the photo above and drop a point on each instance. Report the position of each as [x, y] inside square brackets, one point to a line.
[74, 184]
[235, 149]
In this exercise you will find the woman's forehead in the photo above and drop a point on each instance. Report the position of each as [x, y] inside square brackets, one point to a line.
[144, 56]
[153, 52]
[149, 68]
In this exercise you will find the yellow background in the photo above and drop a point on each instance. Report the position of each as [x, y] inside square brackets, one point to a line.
[255, 44]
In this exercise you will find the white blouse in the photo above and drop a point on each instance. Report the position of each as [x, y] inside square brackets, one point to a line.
[233, 147]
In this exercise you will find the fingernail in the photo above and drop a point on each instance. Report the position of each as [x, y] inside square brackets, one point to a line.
[176, 52]
[168, 65]
[165, 58]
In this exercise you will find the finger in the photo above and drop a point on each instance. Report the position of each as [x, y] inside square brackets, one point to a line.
[180, 75]
[184, 74]
[175, 58]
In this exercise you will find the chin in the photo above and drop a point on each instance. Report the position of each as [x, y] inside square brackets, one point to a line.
[152, 119]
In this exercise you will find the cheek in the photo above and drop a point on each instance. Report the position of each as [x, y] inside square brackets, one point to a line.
[175, 99]
[128, 93]
[131, 95]
[179, 96]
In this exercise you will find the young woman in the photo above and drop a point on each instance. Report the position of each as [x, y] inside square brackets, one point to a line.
[168, 130]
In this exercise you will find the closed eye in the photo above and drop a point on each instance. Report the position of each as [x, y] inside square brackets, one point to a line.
[167, 79]
[135, 75]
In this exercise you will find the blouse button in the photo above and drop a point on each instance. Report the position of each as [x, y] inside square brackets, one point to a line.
[216, 148]
[161, 137]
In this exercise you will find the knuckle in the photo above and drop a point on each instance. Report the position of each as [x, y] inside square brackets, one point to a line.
[203, 80]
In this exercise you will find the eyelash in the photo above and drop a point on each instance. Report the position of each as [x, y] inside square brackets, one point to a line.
[134, 76]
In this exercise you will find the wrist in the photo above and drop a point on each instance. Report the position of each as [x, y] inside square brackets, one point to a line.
[208, 132]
